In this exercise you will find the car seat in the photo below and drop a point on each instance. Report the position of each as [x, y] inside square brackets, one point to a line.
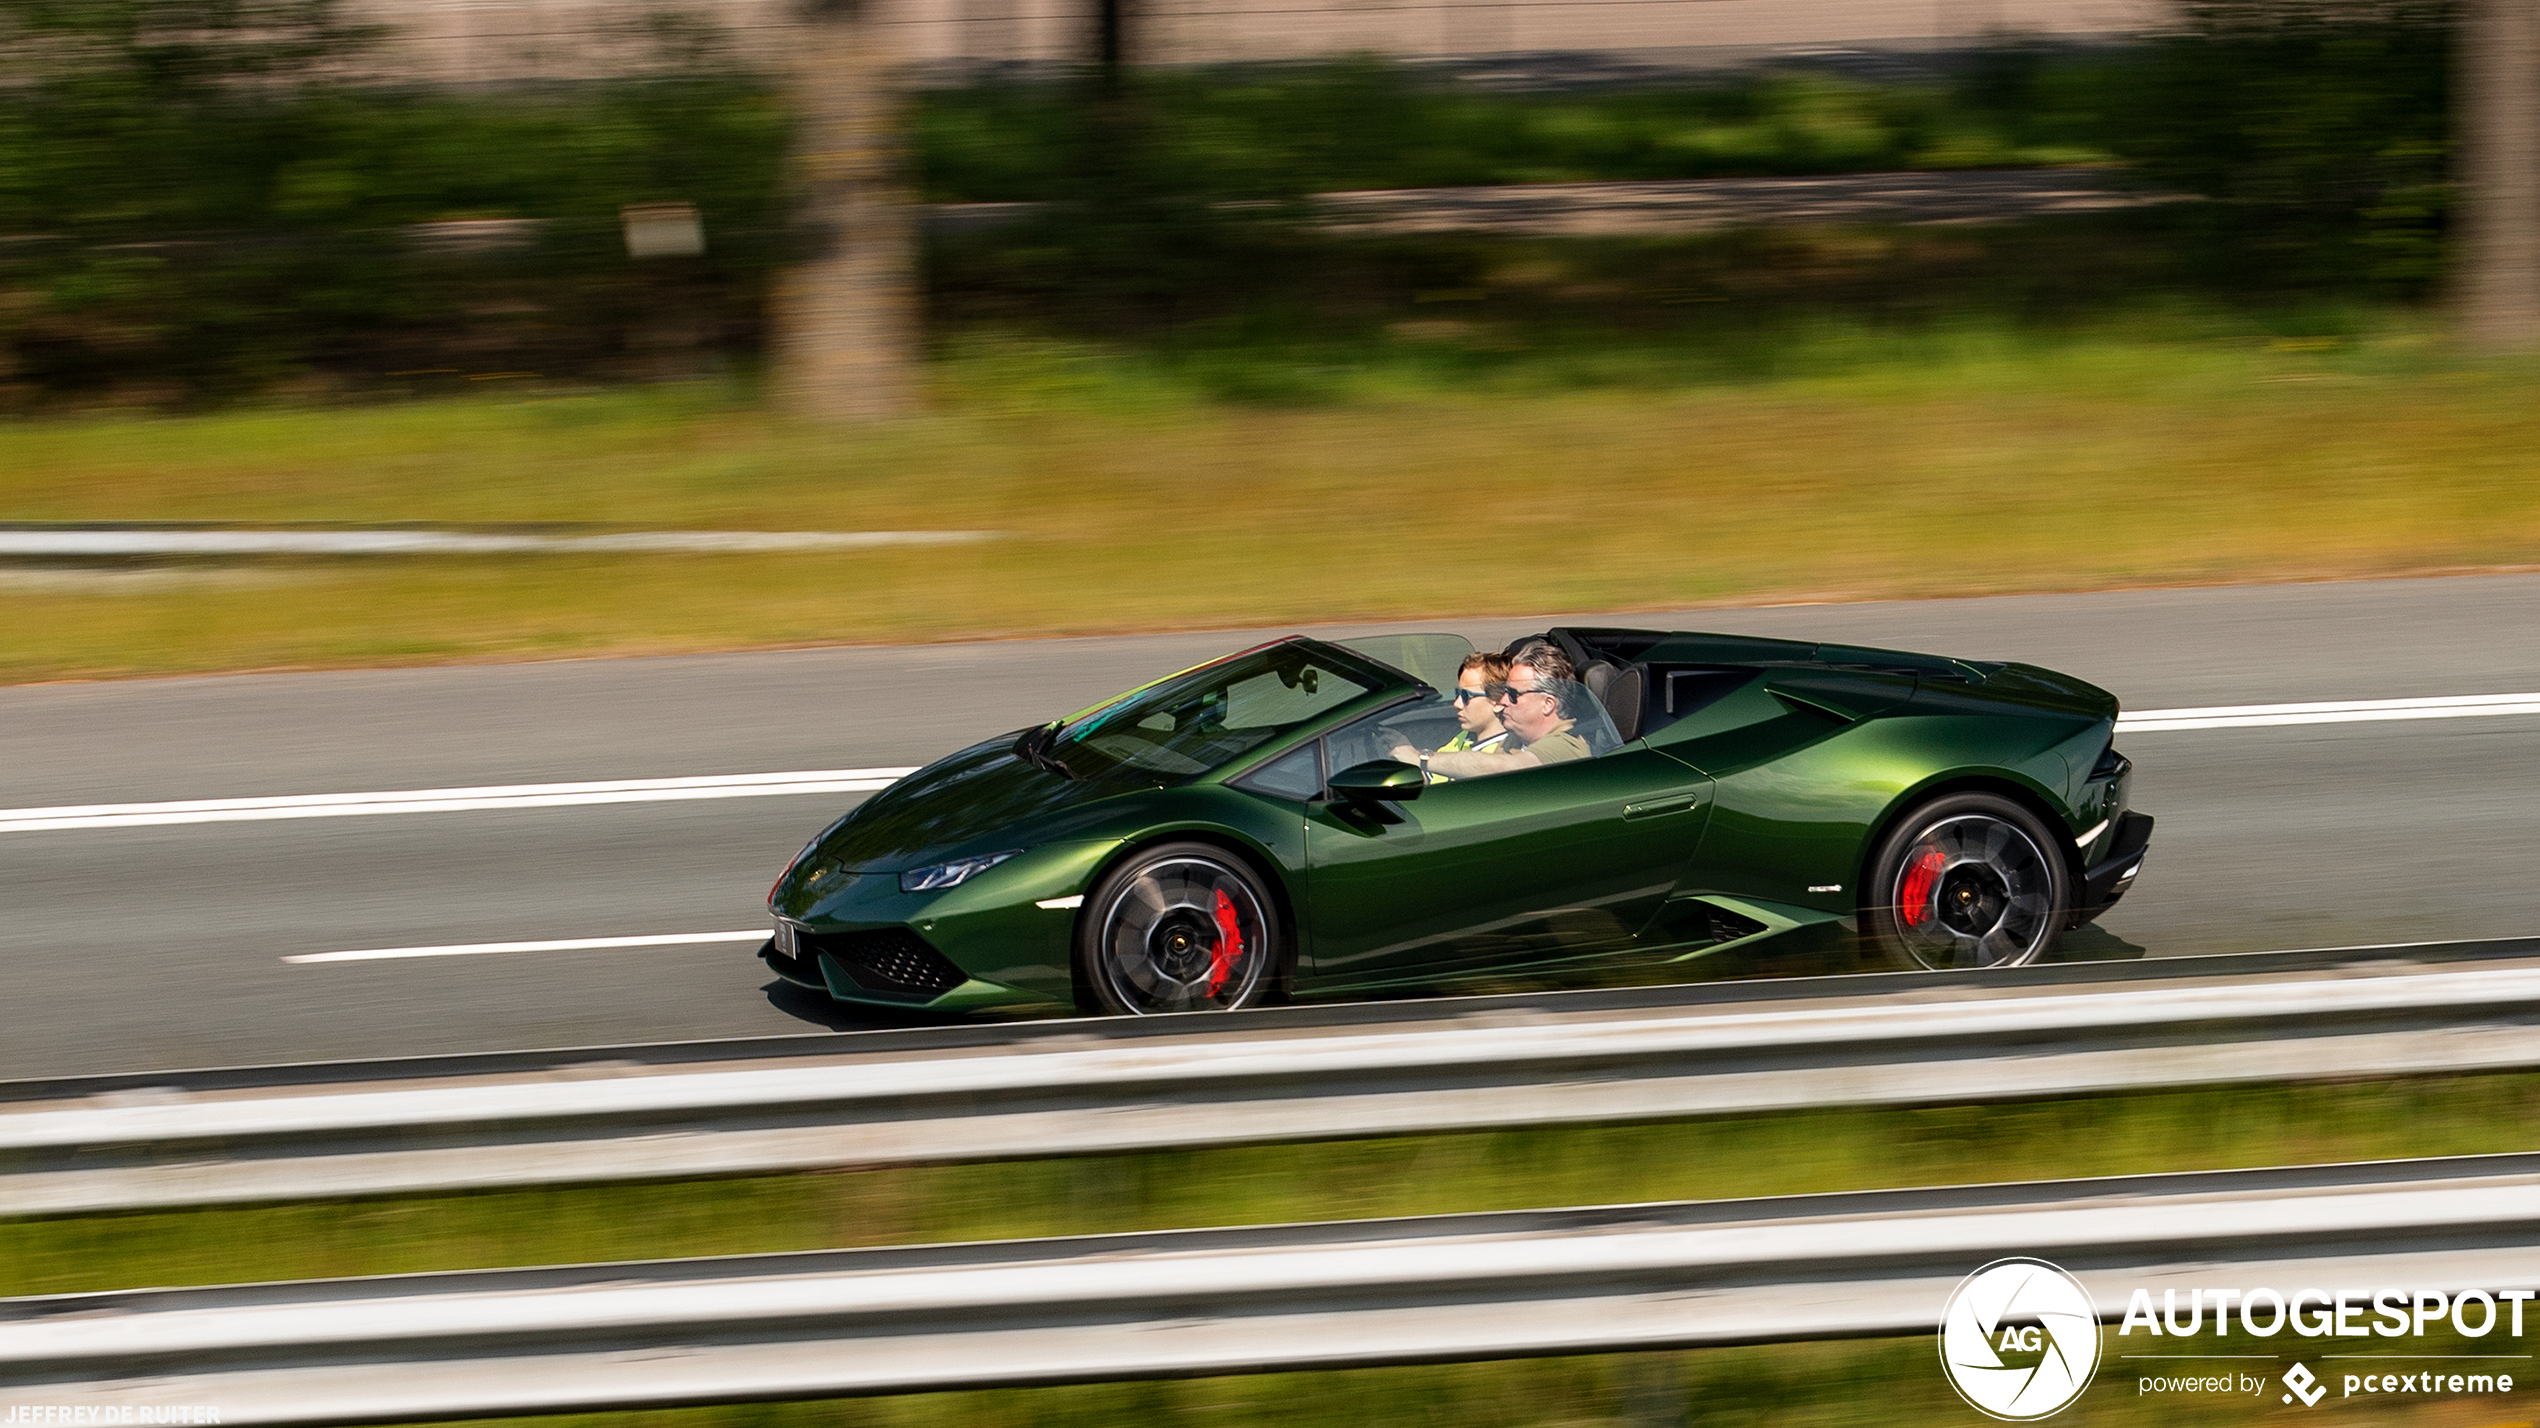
[1617, 686]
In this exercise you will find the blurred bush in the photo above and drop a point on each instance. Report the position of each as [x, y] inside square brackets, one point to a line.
[2320, 127]
[203, 198]
[200, 197]
[2317, 129]
[1256, 132]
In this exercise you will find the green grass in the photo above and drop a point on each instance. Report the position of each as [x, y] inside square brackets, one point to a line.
[1873, 1383]
[1131, 493]
[1798, 1386]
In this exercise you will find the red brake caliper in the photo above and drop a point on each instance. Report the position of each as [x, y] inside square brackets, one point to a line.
[1230, 944]
[1915, 900]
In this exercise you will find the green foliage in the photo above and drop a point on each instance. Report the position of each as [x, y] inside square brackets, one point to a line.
[1289, 316]
[2321, 127]
[2318, 129]
[1260, 133]
[194, 202]
[218, 212]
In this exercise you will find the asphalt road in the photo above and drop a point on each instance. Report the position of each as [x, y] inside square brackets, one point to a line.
[160, 947]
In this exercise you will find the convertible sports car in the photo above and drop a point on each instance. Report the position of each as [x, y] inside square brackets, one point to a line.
[1246, 829]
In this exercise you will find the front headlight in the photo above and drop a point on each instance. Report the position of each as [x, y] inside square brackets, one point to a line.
[952, 874]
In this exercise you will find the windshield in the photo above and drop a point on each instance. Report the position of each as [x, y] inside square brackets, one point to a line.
[1201, 719]
[1434, 660]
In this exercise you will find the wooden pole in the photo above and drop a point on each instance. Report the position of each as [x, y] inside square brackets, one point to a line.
[844, 330]
[2497, 286]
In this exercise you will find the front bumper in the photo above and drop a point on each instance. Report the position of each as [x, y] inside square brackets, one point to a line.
[1004, 936]
[2107, 880]
[789, 966]
[891, 967]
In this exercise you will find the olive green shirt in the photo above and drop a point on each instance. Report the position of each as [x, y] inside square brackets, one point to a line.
[1558, 746]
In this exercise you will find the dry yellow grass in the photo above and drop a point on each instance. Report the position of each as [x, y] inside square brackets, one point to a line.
[2001, 468]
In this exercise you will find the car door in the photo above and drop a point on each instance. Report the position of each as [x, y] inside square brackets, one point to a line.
[1529, 866]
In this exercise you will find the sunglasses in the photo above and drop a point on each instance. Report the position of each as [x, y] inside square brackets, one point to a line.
[1467, 696]
[1512, 693]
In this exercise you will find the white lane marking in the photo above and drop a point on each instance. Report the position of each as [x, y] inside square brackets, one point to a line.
[2351, 711]
[446, 800]
[570, 944]
[771, 785]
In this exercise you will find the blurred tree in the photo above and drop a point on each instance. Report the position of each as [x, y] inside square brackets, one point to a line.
[2497, 274]
[844, 325]
[2319, 127]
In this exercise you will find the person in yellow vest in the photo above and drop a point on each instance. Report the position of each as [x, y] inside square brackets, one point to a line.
[1477, 684]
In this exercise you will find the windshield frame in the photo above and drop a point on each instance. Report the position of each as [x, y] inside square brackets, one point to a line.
[1383, 683]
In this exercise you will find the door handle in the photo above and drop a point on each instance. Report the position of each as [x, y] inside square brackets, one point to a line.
[1652, 808]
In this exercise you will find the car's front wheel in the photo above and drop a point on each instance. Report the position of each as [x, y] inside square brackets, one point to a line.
[1968, 880]
[1176, 928]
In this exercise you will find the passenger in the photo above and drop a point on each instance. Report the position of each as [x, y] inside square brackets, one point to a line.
[1475, 708]
[1541, 681]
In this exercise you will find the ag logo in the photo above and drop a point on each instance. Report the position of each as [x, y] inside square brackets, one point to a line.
[2020, 1339]
[2305, 1384]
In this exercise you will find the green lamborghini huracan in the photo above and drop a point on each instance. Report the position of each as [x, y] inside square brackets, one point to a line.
[1308, 818]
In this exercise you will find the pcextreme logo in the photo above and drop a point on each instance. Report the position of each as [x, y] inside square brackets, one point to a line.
[2020, 1339]
[2305, 1385]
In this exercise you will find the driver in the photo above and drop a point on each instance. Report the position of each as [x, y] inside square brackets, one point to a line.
[1476, 709]
[1531, 706]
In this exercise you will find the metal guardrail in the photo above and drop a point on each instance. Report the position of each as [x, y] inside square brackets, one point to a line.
[437, 1346]
[905, 1098]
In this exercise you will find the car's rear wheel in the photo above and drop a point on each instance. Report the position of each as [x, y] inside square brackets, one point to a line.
[1968, 880]
[1180, 927]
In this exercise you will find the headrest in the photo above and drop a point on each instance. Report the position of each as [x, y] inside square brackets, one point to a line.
[1617, 688]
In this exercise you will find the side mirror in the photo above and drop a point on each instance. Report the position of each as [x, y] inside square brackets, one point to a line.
[1378, 780]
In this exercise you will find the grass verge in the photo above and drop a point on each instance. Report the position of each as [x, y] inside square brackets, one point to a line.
[1874, 1383]
[1860, 463]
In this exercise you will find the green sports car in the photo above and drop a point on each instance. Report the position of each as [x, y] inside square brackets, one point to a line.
[1313, 818]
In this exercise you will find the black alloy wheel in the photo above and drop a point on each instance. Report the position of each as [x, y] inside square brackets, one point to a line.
[1969, 880]
[1181, 927]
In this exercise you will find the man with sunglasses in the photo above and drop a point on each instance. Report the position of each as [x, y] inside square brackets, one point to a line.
[1541, 680]
[1476, 709]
